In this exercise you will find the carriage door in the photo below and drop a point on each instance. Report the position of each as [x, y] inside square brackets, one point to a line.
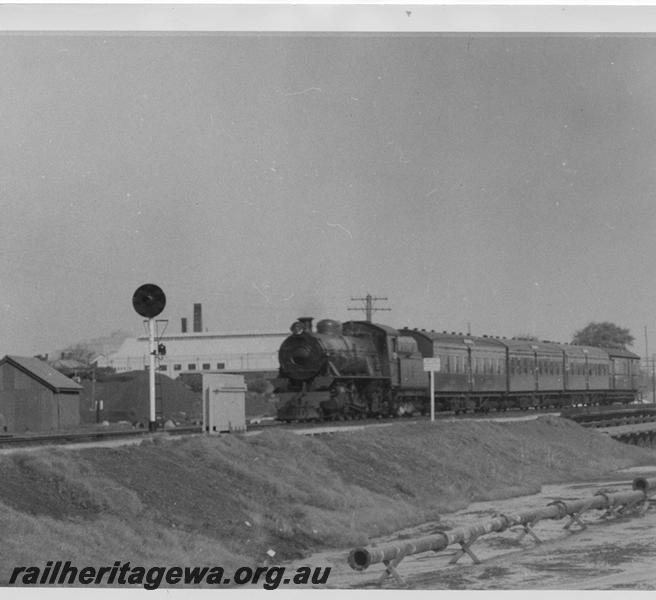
[536, 369]
[469, 364]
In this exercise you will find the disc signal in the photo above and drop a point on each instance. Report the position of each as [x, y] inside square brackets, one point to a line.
[149, 300]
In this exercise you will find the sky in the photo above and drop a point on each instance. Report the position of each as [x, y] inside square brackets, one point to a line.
[498, 182]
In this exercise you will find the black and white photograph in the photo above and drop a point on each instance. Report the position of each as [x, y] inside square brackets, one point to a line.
[327, 297]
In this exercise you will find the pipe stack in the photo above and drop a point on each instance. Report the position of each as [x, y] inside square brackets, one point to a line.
[361, 558]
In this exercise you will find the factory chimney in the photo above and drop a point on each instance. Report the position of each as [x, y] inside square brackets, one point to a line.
[183, 325]
[198, 318]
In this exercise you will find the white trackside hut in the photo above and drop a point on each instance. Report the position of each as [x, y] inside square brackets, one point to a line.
[224, 403]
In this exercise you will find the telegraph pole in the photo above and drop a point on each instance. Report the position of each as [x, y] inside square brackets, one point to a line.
[368, 307]
[653, 378]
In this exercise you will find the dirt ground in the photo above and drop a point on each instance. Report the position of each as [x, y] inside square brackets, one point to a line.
[229, 500]
[611, 553]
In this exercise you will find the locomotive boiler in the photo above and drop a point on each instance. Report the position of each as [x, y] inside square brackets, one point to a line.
[347, 371]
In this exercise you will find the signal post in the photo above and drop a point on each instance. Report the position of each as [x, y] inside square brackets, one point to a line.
[149, 301]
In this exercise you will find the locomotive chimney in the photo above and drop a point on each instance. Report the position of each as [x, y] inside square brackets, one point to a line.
[307, 323]
[183, 325]
[198, 318]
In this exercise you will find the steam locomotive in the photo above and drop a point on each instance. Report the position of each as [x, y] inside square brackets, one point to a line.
[360, 369]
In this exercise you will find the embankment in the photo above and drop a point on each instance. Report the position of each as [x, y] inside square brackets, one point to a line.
[228, 500]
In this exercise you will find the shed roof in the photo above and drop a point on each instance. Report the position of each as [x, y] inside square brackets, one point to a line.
[203, 344]
[43, 372]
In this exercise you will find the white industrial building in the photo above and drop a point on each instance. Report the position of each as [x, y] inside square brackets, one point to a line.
[196, 352]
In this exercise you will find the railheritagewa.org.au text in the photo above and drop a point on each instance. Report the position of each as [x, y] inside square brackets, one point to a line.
[151, 578]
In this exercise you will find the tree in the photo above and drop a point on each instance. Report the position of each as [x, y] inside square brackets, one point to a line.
[79, 352]
[603, 334]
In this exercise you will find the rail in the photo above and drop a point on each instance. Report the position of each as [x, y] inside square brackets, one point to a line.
[391, 555]
[74, 437]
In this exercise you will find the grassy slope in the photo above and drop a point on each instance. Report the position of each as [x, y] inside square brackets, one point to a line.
[227, 500]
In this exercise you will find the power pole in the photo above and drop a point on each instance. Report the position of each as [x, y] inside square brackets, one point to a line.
[647, 357]
[368, 308]
[653, 378]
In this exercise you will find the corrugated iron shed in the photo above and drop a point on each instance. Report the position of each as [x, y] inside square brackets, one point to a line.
[43, 372]
[36, 397]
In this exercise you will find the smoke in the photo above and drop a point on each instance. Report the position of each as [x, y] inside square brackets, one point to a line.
[313, 307]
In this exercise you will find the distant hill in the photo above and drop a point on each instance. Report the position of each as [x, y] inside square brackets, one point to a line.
[126, 397]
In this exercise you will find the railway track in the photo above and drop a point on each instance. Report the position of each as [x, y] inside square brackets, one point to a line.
[634, 425]
[629, 424]
[611, 416]
[78, 437]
